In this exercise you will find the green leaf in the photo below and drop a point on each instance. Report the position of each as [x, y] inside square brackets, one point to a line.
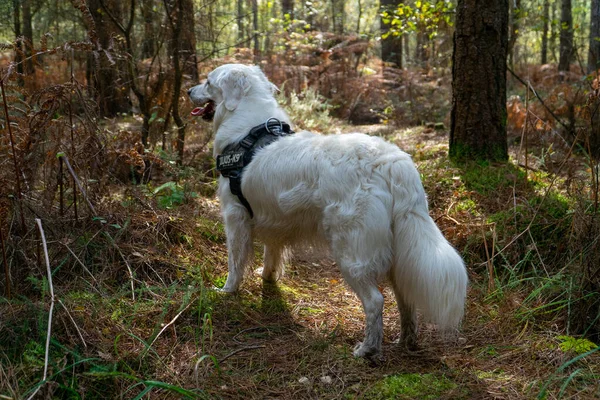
[169, 185]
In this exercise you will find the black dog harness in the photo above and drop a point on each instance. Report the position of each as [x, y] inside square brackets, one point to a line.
[236, 156]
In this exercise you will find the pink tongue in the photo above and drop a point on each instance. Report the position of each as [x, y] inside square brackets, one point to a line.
[198, 111]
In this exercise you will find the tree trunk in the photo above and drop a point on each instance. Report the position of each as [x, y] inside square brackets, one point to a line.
[546, 22]
[594, 51]
[18, 44]
[187, 37]
[111, 92]
[514, 30]
[391, 46]
[28, 35]
[566, 36]
[307, 7]
[149, 40]
[359, 16]
[420, 49]
[406, 47]
[553, 32]
[255, 28]
[287, 8]
[338, 16]
[240, 20]
[478, 119]
[176, 11]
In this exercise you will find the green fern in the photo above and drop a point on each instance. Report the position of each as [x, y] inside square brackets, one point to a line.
[576, 345]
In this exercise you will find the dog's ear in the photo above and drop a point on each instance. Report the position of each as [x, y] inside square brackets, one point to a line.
[272, 87]
[234, 84]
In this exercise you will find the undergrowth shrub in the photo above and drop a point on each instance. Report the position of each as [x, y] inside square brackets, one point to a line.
[308, 110]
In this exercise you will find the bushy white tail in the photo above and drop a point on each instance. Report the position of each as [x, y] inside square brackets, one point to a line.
[427, 272]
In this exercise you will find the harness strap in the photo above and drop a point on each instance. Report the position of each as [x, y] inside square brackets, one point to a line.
[235, 186]
[237, 156]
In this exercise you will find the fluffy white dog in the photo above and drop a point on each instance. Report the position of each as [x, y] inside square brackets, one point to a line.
[357, 194]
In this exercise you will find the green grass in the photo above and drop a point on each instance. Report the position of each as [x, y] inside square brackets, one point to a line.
[211, 229]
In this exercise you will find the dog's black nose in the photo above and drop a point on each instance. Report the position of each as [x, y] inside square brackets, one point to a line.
[189, 91]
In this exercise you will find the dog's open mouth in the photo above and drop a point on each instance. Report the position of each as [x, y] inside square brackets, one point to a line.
[207, 111]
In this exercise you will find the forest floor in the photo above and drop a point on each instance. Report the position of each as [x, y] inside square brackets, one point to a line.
[294, 339]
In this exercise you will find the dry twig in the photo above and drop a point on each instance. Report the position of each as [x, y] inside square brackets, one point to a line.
[14, 156]
[74, 324]
[52, 299]
[79, 185]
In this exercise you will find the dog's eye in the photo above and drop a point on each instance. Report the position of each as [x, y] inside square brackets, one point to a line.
[207, 82]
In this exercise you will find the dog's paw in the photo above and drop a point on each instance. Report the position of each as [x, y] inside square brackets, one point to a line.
[408, 344]
[372, 354]
[226, 289]
[268, 275]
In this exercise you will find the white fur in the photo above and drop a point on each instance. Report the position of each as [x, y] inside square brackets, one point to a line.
[357, 194]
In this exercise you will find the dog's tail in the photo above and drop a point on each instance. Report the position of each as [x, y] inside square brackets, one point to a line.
[428, 272]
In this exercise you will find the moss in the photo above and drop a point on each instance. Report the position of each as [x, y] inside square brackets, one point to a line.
[485, 178]
[460, 153]
[466, 205]
[415, 386]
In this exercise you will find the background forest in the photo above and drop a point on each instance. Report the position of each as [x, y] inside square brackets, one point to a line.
[109, 226]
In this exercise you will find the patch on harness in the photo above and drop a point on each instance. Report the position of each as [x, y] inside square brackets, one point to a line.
[230, 160]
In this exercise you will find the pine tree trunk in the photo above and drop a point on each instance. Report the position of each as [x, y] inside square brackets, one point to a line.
[176, 13]
[240, 20]
[110, 91]
[287, 8]
[478, 119]
[187, 48]
[28, 35]
[546, 22]
[308, 13]
[566, 36]
[148, 41]
[594, 50]
[391, 47]
[337, 16]
[514, 30]
[255, 28]
[420, 50]
[19, 45]
[554, 29]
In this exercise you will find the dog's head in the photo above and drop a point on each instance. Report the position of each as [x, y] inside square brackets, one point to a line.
[226, 86]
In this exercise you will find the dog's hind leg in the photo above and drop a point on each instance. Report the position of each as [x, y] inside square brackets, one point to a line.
[372, 301]
[273, 262]
[358, 230]
[408, 322]
[239, 247]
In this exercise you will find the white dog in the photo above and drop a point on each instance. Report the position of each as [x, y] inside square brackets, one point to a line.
[357, 194]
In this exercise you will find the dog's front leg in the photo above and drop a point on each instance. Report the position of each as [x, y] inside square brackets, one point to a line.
[239, 246]
[273, 263]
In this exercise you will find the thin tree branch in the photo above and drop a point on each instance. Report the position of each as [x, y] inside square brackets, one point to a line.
[527, 84]
[74, 324]
[14, 154]
[52, 300]
[169, 324]
[72, 172]
[6, 269]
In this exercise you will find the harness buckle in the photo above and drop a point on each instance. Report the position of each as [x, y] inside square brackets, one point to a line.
[275, 131]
